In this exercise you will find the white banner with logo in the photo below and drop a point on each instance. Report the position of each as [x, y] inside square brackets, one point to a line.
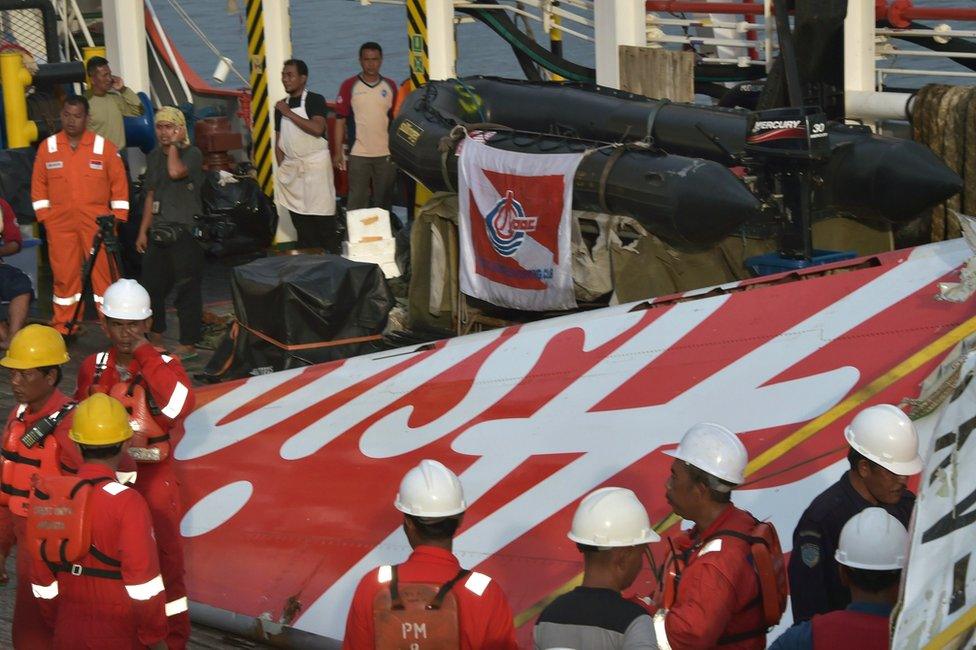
[514, 222]
[938, 605]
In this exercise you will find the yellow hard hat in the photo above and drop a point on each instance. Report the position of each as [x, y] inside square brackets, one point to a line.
[99, 421]
[35, 346]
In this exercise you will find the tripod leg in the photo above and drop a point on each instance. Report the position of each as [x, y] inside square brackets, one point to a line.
[86, 284]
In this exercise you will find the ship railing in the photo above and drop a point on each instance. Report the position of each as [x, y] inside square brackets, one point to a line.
[872, 60]
[550, 14]
[70, 18]
[756, 47]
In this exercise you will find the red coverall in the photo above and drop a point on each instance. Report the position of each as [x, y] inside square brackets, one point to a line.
[101, 612]
[28, 629]
[170, 388]
[69, 189]
[718, 595]
[485, 619]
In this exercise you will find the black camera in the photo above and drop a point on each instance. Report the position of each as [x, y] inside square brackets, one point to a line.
[106, 228]
[213, 227]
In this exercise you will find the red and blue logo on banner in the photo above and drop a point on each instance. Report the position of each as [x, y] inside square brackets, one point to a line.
[514, 223]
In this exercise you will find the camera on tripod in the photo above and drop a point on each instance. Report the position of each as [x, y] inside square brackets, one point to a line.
[106, 228]
[213, 228]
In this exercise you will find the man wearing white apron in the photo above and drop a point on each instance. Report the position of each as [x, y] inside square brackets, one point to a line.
[303, 184]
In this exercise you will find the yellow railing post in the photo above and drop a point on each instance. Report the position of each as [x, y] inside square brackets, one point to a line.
[15, 80]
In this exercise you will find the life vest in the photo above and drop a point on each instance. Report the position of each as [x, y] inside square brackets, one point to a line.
[150, 444]
[766, 557]
[59, 522]
[416, 616]
[28, 453]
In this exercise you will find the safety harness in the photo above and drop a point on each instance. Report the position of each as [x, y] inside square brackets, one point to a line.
[149, 442]
[417, 615]
[60, 516]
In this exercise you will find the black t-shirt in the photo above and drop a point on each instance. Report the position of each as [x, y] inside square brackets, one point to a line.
[314, 105]
[596, 619]
[178, 200]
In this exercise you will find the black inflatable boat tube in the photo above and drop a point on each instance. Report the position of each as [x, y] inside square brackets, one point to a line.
[689, 203]
[868, 174]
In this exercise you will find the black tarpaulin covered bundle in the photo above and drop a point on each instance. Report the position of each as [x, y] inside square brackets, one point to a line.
[298, 310]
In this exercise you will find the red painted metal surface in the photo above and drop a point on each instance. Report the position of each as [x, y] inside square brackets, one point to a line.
[901, 13]
[289, 478]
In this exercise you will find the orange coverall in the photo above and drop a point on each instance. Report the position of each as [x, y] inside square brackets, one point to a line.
[69, 189]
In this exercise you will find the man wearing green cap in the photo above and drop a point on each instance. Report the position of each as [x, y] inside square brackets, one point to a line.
[173, 258]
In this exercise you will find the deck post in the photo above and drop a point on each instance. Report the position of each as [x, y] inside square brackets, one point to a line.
[125, 32]
[440, 39]
[616, 23]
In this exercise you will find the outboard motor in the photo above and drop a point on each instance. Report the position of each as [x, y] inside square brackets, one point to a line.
[791, 146]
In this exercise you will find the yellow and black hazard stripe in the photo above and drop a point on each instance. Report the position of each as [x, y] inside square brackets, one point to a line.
[260, 123]
[417, 42]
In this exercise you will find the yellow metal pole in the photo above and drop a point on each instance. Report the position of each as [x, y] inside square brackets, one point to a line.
[419, 66]
[88, 53]
[260, 129]
[556, 40]
[15, 80]
[417, 39]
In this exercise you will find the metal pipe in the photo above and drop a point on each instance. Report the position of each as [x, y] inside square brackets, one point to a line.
[926, 33]
[901, 13]
[683, 6]
[741, 27]
[695, 40]
[926, 73]
[875, 106]
[80, 17]
[169, 52]
[951, 55]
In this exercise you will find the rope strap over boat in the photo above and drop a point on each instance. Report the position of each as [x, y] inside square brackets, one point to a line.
[651, 118]
[308, 346]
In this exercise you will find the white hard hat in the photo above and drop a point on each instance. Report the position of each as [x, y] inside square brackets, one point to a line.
[126, 299]
[874, 540]
[430, 490]
[715, 450]
[885, 435]
[611, 516]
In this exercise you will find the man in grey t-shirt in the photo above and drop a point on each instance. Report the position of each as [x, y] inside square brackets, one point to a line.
[612, 530]
[173, 258]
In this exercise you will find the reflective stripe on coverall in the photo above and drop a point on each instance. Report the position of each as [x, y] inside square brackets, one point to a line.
[485, 618]
[169, 386]
[28, 630]
[718, 596]
[69, 189]
[99, 612]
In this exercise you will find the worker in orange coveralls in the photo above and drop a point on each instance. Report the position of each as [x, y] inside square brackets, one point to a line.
[43, 415]
[78, 176]
[132, 369]
[429, 600]
[112, 598]
[715, 598]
